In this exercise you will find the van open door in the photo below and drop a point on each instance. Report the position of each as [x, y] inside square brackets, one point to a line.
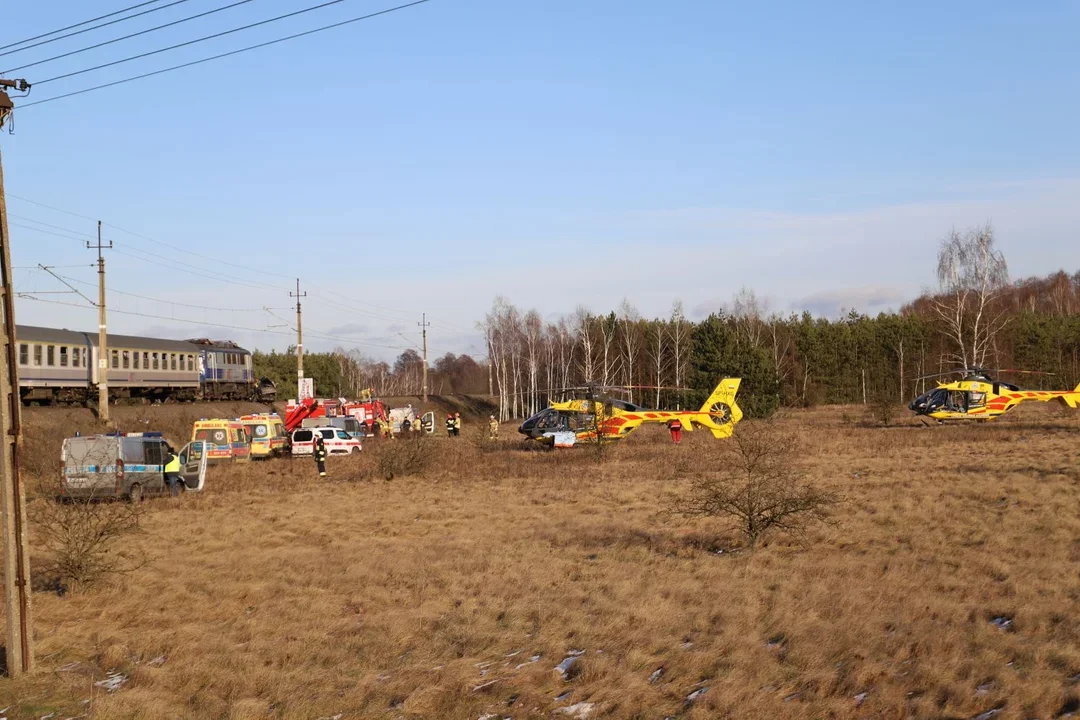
[427, 422]
[193, 460]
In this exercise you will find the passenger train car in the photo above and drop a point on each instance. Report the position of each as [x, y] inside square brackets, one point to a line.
[62, 366]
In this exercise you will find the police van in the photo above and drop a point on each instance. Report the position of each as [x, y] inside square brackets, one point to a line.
[126, 465]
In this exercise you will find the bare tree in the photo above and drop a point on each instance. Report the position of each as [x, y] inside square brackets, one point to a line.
[583, 323]
[749, 314]
[630, 326]
[757, 482]
[657, 350]
[679, 331]
[971, 275]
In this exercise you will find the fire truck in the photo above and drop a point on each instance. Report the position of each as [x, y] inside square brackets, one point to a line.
[366, 411]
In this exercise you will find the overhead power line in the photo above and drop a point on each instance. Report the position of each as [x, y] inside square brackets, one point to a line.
[128, 37]
[80, 24]
[224, 55]
[89, 29]
[177, 248]
[186, 43]
[348, 341]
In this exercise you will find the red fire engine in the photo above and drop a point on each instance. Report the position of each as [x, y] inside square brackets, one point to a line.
[365, 411]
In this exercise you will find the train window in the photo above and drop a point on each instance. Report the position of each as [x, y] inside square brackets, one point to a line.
[146, 361]
[63, 356]
[172, 361]
[135, 360]
[115, 355]
[24, 354]
[37, 356]
[155, 360]
[50, 355]
[76, 357]
[191, 363]
[126, 360]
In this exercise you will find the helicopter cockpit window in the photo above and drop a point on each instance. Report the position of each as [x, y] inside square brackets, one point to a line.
[549, 421]
[976, 400]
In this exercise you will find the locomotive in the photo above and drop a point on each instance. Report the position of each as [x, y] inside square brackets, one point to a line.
[62, 366]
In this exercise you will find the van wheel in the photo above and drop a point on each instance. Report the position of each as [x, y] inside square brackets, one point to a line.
[135, 493]
[354, 451]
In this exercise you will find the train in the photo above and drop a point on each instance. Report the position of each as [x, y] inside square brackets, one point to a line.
[61, 366]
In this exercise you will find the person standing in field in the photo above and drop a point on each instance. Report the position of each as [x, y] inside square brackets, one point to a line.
[449, 425]
[675, 426]
[319, 453]
[417, 425]
[493, 428]
[457, 424]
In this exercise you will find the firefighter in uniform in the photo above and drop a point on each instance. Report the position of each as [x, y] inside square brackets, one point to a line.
[319, 453]
[457, 424]
[417, 424]
[449, 425]
[493, 428]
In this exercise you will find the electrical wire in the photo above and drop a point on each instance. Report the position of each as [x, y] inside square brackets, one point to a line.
[80, 24]
[350, 341]
[159, 300]
[128, 37]
[197, 40]
[147, 238]
[224, 55]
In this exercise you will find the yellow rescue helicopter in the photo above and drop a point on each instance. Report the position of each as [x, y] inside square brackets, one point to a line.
[977, 396]
[606, 418]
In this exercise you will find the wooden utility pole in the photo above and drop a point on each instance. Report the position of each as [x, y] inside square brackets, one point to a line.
[16, 556]
[103, 339]
[299, 343]
[424, 324]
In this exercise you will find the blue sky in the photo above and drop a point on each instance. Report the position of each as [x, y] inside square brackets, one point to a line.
[558, 153]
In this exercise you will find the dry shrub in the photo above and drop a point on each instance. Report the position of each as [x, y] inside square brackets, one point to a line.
[410, 455]
[86, 539]
[756, 480]
[883, 405]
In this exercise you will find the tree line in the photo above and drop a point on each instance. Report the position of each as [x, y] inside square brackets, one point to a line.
[975, 317]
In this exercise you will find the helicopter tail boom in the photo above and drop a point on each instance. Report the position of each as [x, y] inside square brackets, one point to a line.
[719, 413]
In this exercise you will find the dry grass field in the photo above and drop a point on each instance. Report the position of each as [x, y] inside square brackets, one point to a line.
[456, 593]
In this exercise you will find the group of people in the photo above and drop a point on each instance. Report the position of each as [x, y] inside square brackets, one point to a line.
[453, 424]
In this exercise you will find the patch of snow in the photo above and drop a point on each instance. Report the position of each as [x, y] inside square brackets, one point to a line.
[697, 693]
[112, 682]
[566, 667]
[579, 711]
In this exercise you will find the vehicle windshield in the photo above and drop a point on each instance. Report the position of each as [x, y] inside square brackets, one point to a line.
[342, 435]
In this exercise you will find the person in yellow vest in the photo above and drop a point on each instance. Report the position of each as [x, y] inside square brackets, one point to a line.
[417, 424]
[388, 428]
[493, 428]
[457, 424]
[172, 471]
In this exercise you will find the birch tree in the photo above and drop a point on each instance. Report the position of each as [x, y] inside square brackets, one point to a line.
[971, 274]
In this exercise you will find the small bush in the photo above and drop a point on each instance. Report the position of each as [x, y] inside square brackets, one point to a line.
[409, 455]
[85, 539]
[883, 405]
[755, 480]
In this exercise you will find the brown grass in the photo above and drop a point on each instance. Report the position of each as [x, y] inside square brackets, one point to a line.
[274, 594]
